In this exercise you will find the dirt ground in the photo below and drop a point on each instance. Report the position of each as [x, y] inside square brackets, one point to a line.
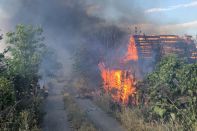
[55, 118]
[100, 119]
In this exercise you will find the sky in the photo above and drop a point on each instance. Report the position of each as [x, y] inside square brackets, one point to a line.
[179, 15]
[175, 12]
[163, 16]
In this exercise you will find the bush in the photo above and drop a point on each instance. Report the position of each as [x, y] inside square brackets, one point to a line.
[19, 78]
[172, 91]
[27, 121]
[7, 93]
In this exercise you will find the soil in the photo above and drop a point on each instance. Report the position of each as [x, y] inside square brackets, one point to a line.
[55, 118]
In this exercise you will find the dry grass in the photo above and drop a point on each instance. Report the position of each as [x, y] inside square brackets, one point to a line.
[132, 119]
[104, 102]
[76, 116]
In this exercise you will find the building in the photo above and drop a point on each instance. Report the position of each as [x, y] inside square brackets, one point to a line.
[150, 46]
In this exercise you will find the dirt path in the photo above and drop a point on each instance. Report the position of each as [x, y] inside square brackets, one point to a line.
[55, 118]
[100, 119]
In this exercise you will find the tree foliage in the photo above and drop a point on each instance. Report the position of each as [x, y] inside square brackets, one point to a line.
[172, 91]
[26, 48]
[19, 77]
[7, 93]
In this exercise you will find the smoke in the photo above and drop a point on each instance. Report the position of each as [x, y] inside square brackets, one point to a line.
[70, 25]
[69, 15]
[117, 11]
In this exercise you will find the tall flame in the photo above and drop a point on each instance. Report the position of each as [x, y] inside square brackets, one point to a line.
[132, 53]
[120, 83]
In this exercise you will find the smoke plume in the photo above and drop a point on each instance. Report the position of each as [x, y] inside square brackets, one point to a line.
[71, 24]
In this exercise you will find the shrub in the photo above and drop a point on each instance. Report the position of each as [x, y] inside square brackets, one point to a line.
[7, 93]
[172, 91]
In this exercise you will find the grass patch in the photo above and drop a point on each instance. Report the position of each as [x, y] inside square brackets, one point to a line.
[76, 116]
[132, 118]
[104, 102]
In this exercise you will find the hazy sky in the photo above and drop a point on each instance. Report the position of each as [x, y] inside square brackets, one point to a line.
[165, 16]
[180, 15]
[168, 16]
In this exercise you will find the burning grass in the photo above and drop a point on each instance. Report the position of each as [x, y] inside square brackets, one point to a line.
[76, 116]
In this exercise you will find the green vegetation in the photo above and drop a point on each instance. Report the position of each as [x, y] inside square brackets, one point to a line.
[76, 116]
[19, 90]
[133, 120]
[172, 91]
[7, 93]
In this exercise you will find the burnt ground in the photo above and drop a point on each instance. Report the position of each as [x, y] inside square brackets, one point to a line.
[55, 118]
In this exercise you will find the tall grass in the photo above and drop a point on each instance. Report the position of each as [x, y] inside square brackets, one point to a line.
[132, 118]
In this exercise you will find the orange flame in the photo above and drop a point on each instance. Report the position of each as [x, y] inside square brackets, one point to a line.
[118, 83]
[132, 53]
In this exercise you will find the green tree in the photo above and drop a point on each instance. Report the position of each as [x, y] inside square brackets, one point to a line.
[26, 48]
[19, 77]
[173, 90]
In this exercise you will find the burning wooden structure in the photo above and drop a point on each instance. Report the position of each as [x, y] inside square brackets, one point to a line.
[120, 82]
[149, 45]
[142, 49]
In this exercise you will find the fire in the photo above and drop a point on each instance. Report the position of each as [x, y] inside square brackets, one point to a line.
[132, 53]
[118, 82]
